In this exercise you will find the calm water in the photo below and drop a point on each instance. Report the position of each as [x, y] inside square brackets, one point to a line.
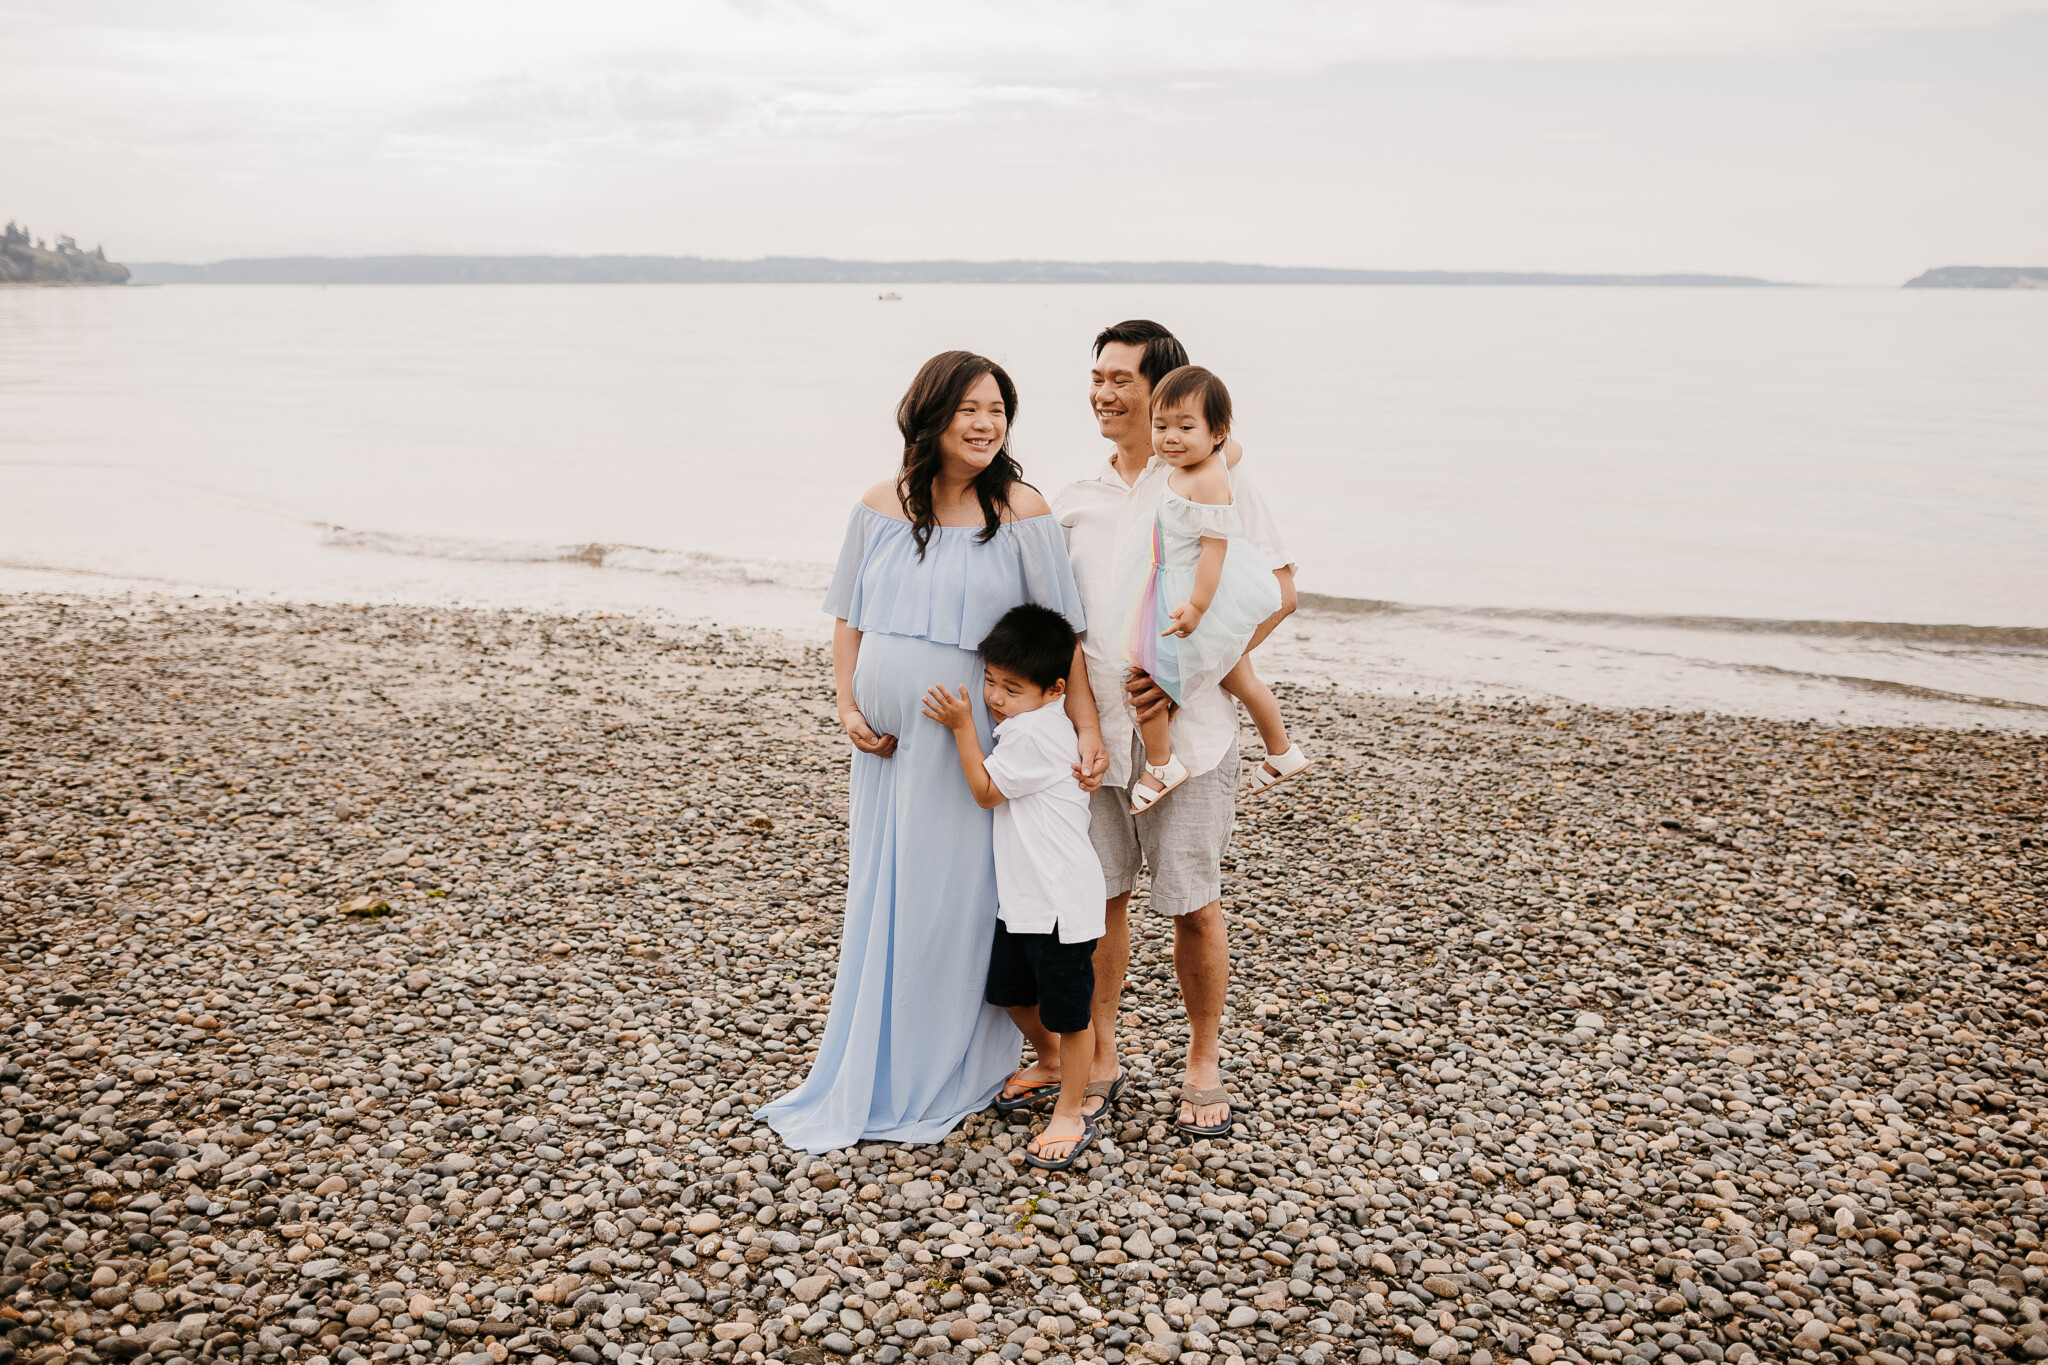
[1549, 482]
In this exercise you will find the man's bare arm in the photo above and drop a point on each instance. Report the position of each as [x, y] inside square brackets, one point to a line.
[1087, 724]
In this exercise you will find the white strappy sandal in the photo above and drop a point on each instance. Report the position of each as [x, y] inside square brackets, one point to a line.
[1284, 764]
[1170, 774]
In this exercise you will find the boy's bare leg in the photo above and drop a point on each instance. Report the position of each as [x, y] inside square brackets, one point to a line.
[1241, 682]
[1067, 1125]
[1112, 961]
[1045, 1067]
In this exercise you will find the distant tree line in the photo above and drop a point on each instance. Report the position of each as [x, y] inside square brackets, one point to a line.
[1982, 277]
[26, 260]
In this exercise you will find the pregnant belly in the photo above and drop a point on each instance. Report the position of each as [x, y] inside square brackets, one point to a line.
[894, 672]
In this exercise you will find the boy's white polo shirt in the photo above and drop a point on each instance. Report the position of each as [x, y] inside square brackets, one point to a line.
[1047, 873]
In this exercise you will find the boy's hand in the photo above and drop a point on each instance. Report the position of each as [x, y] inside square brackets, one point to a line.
[1094, 760]
[955, 713]
[1185, 617]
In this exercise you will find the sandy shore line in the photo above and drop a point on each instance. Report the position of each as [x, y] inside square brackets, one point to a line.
[394, 983]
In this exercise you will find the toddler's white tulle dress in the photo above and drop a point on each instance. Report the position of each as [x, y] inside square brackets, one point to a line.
[1157, 574]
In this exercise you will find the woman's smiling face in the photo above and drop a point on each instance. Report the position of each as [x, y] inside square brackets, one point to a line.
[979, 425]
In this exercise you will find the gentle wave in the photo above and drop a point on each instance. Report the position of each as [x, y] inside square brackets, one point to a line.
[596, 554]
[811, 577]
[1901, 689]
[2014, 637]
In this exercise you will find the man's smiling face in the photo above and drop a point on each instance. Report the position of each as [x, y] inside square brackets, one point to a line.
[1121, 397]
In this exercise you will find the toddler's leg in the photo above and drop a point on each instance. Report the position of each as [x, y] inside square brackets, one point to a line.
[1284, 758]
[1158, 743]
[1241, 682]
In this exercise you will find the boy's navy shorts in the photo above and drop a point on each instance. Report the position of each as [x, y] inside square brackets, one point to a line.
[1038, 969]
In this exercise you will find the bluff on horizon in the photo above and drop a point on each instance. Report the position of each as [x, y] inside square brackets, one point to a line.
[821, 270]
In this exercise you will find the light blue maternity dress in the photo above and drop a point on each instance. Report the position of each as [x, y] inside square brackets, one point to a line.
[910, 1048]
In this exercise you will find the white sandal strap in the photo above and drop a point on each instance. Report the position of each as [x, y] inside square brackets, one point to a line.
[1288, 761]
[1284, 764]
[1170, 775]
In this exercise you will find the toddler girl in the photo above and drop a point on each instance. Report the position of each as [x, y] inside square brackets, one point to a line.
[1195, 602]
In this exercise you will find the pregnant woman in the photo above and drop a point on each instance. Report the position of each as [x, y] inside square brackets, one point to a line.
[932, 559]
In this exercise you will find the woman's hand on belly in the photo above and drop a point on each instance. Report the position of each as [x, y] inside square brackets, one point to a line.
[863, 735]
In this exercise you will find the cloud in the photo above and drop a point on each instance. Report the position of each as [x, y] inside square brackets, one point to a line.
[433, 74]
[1556, 133]
[567, 114]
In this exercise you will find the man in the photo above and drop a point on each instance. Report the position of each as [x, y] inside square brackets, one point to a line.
[1184, 839]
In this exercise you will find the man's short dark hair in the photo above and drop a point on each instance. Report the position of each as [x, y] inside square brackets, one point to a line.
[1033, 642]
[1163, 351]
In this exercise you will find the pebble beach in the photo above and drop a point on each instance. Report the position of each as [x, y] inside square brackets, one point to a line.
[390, 984]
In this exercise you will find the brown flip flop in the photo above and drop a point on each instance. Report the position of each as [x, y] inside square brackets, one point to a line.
[1197, 1099]
[1109, 1092]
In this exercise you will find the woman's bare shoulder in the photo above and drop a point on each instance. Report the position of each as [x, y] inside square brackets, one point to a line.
[1026, 501]
[883, 498]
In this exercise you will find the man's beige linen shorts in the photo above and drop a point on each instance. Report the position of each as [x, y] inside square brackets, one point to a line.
[1182, 839]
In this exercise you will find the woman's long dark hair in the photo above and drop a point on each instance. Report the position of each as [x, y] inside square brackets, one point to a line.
[924, 414]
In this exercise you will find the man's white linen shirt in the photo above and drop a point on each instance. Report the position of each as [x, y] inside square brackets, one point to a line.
[1047, 873]
[1096, 513]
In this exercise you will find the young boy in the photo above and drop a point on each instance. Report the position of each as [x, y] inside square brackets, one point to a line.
[1049, 901]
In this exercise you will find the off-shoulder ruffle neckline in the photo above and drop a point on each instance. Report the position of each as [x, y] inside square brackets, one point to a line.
[905, 521]
[1169, 493]
[955, 590]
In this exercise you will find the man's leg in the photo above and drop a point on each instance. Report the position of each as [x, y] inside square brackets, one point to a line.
[1112, 962]
[1201, 960]
[1184, 842]
[1113, 831]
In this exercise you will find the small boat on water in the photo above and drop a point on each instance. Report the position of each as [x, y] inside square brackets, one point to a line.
[891, 297]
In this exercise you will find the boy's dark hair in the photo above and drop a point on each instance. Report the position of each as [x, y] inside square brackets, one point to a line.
[1163, 351]
[1032, 641]
[1193, 386]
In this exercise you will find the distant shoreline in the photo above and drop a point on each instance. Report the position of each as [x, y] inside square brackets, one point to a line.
[26, 259]
[1982, 277]
[820, 270]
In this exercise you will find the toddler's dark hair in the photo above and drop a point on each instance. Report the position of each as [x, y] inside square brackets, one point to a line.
[1033, 641]
[1191, 385]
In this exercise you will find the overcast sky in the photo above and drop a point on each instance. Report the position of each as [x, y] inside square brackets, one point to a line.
[1855, 141]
